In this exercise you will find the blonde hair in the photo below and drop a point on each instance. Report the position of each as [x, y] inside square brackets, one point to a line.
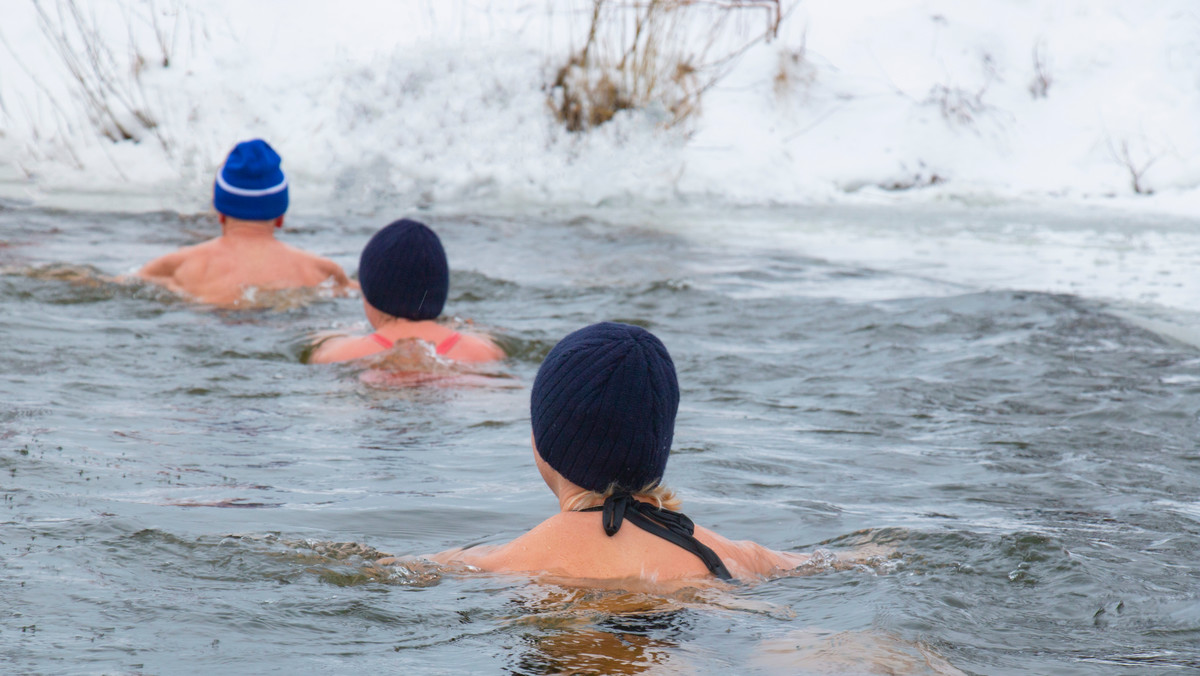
[661, 496]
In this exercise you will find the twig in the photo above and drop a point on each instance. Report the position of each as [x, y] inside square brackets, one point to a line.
[94, 68]
[653, 65]
[1124, 157]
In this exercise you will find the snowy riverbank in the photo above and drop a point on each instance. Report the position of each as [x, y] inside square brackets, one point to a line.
[445, 104]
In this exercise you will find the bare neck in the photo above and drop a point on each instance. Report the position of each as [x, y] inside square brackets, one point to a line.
[397, 328]
[247, 231]
[569, 498]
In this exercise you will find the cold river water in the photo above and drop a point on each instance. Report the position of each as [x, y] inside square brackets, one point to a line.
[1005, 402]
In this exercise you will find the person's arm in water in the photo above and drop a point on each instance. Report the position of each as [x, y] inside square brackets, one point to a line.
[330, 269]
[343, 348]
[162, 270]
[745, 558]
[479, 556]
[475, 348]
[755, 559]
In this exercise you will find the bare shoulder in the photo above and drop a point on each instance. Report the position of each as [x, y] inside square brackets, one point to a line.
[527, 553]
[483, 557]
[306, 256]
[180, 270]
[474, 347]
[321, 266]
[343, 348]
[165, 265]
[746, 559]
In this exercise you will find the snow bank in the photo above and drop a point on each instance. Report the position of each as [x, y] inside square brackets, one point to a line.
[385, 104]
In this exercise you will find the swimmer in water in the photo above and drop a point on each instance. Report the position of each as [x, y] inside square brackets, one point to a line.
[603, 411]
[250, 195]
[405, 279]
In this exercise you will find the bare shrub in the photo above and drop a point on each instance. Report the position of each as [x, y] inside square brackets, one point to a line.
[795, 71]
[960, 105]
[1039, 86]
[1123, 154]
[643, 52]
[919, 179]
[957, 105]
[166, 43]
[586, 98]
[112, 92]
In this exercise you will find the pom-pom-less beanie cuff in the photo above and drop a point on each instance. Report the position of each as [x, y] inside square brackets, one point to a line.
[251, 184]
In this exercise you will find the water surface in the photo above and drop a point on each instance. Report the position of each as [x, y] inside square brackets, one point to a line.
[1024, 442]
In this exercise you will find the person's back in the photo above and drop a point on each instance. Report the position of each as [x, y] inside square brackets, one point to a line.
[251, 195]
[574, 545]
[405, 279]
[603, 409]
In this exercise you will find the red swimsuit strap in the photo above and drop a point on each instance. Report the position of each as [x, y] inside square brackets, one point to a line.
[449, 343]
[442, 348]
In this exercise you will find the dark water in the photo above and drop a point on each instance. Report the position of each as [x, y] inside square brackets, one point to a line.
[173, 477]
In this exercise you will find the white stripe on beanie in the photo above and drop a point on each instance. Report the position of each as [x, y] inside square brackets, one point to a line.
[245, 192]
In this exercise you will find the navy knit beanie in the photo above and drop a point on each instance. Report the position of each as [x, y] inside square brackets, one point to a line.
[603, 407]
[251, 185]
[403, 271]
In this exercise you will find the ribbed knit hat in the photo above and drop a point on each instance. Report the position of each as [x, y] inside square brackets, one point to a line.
[250, 185]
[403, 271]
[603, 407]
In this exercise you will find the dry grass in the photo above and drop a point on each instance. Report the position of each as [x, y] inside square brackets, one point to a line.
[956, 104]
[962, 106]
[1039, 86]
[1134, 162]
[111, 90]
[643, 53]
[795, 72]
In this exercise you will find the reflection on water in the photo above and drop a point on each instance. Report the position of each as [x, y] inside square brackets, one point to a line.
[995, 479]
[587, 650]
[414, 362]
[597, 632]
[105, 287]
[816, 652]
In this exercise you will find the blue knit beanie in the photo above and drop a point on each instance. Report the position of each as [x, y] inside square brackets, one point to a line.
[250, 185]
[603, 407]
[403, 271]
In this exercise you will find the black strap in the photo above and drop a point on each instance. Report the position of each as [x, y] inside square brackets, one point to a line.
[673, 527]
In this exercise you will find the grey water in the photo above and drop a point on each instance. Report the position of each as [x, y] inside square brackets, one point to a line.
[179, 488]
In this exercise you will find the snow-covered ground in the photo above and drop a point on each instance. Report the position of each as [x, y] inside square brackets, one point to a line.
[1012, 131]
[444, 103]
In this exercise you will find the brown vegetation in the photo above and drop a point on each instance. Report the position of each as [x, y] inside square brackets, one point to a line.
[1123, 155]
[650, 52]
[112, 94]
